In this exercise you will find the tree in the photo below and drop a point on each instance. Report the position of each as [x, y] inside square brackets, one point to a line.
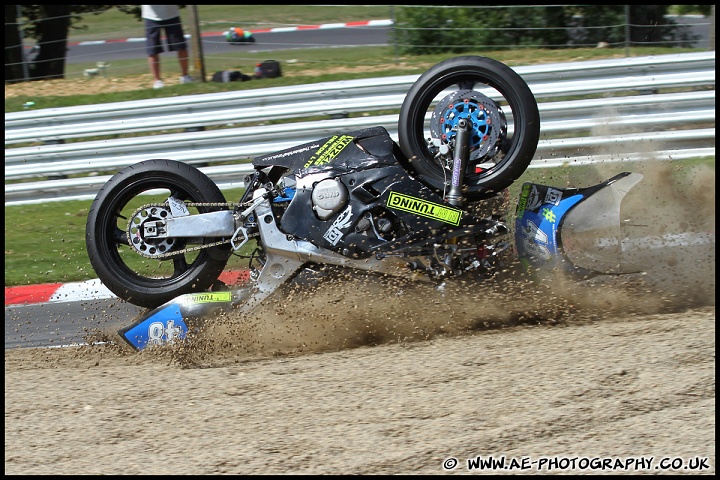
[49, 26]
[53, 25]
[426, 30]
[649, 25]
[13, 46]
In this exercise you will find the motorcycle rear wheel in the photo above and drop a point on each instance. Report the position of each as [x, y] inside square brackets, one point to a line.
[142, 281]
[486, 92]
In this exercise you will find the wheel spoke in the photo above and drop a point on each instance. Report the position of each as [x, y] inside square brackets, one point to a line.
[180, 265]
[119, 237]
[176, 194]
[466, 85]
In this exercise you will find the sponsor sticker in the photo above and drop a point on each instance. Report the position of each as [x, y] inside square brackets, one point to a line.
[160, 333]
[522, 203]
[534, 241]
[331, 149]
[209, 297]
[424, 208]
[553, 196]
[335, 232]
[533, 201]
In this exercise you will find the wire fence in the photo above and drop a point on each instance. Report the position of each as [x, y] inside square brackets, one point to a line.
[126, 34]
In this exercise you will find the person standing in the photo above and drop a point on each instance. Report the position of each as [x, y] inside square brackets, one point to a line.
[158, 18]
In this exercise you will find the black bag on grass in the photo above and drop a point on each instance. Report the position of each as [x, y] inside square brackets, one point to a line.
[268, 69]
[225, 76]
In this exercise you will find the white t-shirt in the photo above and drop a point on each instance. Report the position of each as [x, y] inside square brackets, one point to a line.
[160, 12]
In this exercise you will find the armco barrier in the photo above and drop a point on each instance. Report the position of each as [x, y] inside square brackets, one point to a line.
[606, 108]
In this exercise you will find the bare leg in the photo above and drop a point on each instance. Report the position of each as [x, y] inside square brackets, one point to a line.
[154, 61]
[183, 59]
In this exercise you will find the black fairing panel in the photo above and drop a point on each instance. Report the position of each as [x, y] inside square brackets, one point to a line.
[371, 167]
[342, 153]
[377, 191]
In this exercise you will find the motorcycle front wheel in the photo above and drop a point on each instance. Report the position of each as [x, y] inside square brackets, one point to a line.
[137, 194]
[504, 118]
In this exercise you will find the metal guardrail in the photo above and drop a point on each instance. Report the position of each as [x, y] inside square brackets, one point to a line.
[580, 116]
[664, 113]
[559, 79]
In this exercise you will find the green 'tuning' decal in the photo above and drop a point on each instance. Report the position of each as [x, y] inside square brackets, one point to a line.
[210, 297]
[424, 208]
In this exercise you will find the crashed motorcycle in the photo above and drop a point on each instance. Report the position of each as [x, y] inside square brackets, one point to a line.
[160, 232]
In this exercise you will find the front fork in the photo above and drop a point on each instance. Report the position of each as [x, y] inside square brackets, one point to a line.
[461, 156]
[488, 254]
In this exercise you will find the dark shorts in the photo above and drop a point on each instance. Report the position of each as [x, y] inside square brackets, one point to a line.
[173, 33]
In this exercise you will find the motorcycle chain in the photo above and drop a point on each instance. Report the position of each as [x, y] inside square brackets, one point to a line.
[183, 251]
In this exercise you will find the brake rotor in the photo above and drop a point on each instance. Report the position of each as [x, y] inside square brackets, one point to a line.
[484, 115]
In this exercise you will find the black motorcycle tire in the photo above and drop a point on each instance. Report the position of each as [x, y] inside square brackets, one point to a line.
[461, 73]
[107, 243]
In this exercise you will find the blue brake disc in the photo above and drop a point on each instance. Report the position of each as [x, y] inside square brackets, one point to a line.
[486, 118]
